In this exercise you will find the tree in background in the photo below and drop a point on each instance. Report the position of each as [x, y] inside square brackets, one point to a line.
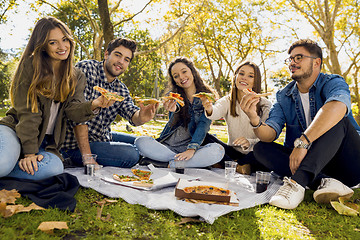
[219, 34]
[336, 22]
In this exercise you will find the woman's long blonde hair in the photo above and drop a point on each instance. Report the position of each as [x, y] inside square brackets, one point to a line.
[44, 81]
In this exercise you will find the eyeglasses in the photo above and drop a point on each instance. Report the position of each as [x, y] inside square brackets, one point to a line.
[297, 58]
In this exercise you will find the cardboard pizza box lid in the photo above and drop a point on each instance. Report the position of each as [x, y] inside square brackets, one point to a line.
[182, 183]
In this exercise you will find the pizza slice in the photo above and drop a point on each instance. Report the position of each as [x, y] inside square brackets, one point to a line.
[125, 178]
[144, 183]
[141, 174]
[175, 96]
[249, 90]
[146, 101]
[109, 95]
[209, 96]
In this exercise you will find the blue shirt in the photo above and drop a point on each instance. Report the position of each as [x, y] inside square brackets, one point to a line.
[100, 125]
[198, 126]
[288, 109]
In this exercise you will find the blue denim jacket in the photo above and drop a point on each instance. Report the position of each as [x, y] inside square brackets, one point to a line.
[198, 126]
[288, 107]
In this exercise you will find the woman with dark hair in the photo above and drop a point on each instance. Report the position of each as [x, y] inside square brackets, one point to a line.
[46, 91]
[241, 135]
[183, 135]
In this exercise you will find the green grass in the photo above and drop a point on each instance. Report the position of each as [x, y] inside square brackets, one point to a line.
[308, 221]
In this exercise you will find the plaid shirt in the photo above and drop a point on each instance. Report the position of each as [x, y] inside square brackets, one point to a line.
[100, 125]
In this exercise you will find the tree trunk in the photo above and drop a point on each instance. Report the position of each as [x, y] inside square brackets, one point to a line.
[107, 26]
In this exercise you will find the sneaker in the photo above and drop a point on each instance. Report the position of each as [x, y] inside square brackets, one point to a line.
[289, 195]
[331, 189]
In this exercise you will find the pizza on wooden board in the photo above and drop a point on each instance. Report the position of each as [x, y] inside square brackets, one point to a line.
[109, 95]
[249, 90]
[208, 190]
[176, 97]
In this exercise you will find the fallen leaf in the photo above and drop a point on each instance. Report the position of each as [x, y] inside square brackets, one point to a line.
[13, 209]
[186, 220]
[7, 196]
[107, 219]
[342, 209]
[111, 200]
[349, 203]
[49, 227]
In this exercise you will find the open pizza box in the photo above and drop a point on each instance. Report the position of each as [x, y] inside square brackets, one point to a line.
[183, 183]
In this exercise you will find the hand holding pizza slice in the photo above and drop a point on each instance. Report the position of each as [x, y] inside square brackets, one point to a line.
[176, 97]
[109, 95]
[210, 97]
[146, 101]
[249, 90]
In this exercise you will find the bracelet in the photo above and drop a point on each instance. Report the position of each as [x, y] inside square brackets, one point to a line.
[257, 126]
[307, 139]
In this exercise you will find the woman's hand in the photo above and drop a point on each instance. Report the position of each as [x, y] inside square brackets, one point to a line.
[170, 105]
[101, 102]
[248, 105]
[243, 142]
[29, 163]
[185, 155]
[207, 105]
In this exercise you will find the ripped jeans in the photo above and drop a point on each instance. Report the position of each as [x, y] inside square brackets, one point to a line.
[10, 149]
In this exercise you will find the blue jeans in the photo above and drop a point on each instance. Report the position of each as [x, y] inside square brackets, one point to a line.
[10, 149]
[205, 156]
[120, 152]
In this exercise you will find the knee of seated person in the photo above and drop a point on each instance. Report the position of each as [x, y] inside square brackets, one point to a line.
[259, 148]
[141, 140]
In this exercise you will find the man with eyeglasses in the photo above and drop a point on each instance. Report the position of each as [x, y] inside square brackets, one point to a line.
[322, 142]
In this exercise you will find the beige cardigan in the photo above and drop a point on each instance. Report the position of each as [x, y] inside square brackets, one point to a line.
[238, 126]
[31, 127]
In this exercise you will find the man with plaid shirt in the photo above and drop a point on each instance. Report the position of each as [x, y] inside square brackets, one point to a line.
[95, 136]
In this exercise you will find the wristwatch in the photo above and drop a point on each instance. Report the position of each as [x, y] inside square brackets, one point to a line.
[298, 143]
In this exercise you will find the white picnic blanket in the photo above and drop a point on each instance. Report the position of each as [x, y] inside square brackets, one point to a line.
[164, 198]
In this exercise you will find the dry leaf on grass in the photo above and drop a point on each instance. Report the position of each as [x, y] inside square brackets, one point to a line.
[102, 203]
[49, 227]
[187, 220]
[7, 196]
[10, 197]
[343, 209]
[13, 209]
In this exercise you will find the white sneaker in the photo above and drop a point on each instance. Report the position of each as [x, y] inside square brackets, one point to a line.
[289, 195]
[331, 189]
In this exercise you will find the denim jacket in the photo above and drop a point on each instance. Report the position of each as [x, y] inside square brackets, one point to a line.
[288, 107]
[198, 126]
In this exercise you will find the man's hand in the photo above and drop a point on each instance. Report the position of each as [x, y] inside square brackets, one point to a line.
[146, 113]
[185, 155]
[29, 163]
[243, 142]
[101, 102]
[296, 157]
[170, 105]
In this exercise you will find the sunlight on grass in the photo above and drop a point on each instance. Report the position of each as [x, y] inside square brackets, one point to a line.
[279, 224]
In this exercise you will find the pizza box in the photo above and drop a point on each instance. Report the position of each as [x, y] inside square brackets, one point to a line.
[183, 183]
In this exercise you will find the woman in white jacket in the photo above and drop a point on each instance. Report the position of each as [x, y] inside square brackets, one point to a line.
[241, 134]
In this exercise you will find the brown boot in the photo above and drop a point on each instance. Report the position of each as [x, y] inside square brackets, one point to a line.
[244, 169]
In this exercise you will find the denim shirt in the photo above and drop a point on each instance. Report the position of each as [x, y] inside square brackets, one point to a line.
[288, 107]
[198, 126]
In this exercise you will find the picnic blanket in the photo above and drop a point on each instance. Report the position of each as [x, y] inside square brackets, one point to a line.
[164, 198]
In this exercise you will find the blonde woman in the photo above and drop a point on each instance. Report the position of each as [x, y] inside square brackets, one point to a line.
[46, 91]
